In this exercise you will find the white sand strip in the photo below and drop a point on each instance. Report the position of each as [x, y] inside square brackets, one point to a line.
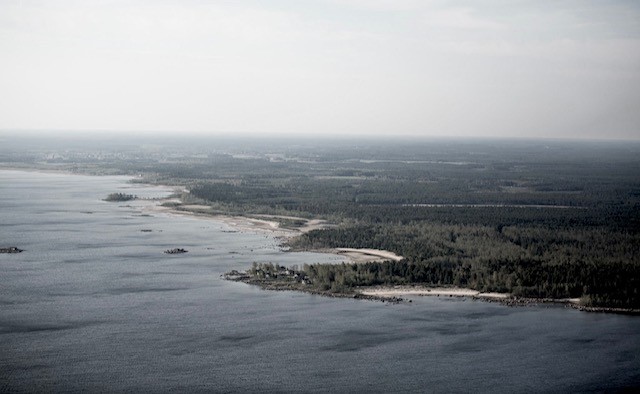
[429, 291]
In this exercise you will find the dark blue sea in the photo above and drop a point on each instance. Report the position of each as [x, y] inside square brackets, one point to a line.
[94, 305]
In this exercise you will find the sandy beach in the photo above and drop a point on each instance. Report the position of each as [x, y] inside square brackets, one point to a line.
[262, 224]
[239, 223]
[395, 292]
[399, 291]
[366, 255]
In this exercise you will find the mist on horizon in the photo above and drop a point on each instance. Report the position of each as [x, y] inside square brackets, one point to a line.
[322, 68]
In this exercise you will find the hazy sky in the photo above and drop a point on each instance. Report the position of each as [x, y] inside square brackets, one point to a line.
[548, 68]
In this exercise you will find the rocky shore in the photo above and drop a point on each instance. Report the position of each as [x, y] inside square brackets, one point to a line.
[175, 251]
[286, 280]
[289, 285]
[598, 309]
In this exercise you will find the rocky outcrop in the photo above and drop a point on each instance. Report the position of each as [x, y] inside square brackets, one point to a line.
[175, 251]
[11, 249]
[287, 282]
[116, 197]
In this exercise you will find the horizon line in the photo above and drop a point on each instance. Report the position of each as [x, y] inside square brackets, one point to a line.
[267, 135]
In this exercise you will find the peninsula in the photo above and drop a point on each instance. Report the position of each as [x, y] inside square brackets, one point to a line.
[535, 219]
[330, 280]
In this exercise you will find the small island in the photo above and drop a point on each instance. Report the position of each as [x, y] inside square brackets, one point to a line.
[175, 251]
[11, 249]
[116, 197]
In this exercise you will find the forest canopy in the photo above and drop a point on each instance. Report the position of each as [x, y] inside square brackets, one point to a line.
[539, 218]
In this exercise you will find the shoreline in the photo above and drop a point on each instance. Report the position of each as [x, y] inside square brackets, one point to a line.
[271, 227]
[391, 294]
[395, 294]
[395, 291]
[259, 223]
[236, 222]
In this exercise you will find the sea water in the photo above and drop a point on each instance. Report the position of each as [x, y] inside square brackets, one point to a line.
[93, 304]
